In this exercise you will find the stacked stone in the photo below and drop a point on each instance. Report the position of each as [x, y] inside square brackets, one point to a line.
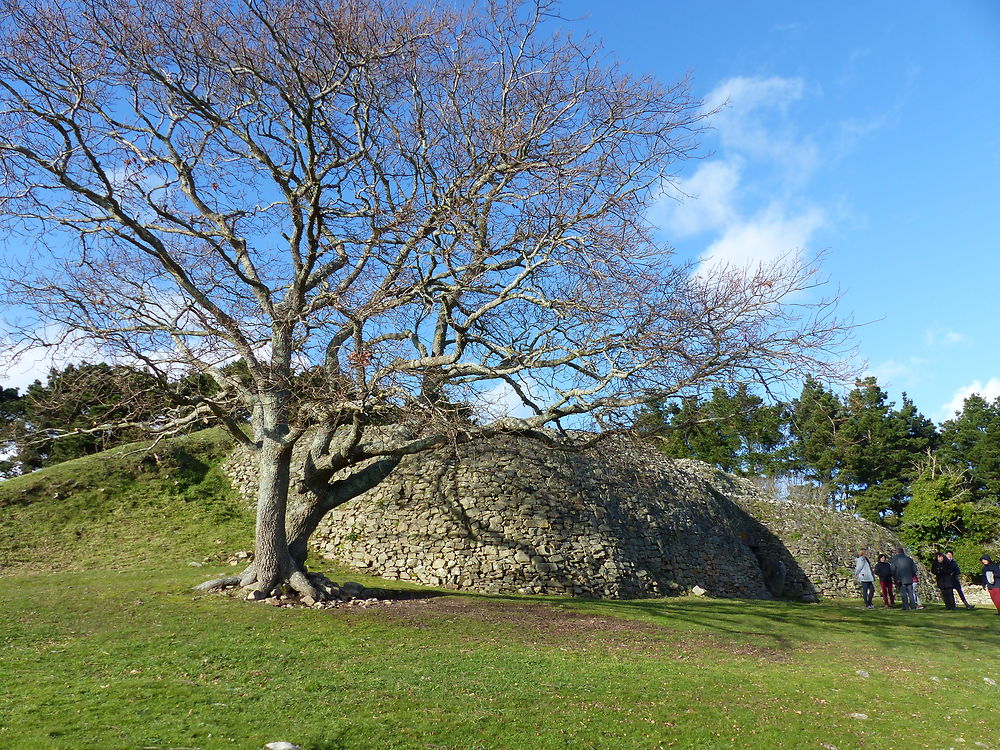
[822, 542]
[617, 521]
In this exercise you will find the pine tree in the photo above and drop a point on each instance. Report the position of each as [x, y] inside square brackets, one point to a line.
[816, 449]
[55, 420]
[883, 448]
[735, 431]
[971, 443]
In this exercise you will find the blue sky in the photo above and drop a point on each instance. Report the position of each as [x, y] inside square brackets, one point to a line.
[870, 130]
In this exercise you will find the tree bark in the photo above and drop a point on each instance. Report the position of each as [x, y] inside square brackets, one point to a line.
[273, 564]
[272, 560]
[319, 495]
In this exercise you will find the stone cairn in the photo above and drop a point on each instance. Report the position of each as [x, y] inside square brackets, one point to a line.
[615, 521]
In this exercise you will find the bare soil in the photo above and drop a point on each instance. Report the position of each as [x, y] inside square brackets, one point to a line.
[547, 624]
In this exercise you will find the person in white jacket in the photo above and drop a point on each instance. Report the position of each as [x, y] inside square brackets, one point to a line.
[866, 577]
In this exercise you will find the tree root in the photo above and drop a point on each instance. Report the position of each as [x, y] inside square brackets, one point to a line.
[329, 595]
[217, 584]
[298, 581]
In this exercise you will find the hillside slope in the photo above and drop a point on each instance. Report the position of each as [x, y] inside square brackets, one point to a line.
[126, 508]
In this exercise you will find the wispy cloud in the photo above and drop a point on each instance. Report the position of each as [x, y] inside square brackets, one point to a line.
[942, 337]
[990, 390]
[898, 375]
[705, 202]
[755, 120]
[762, 153]
[20, 366]
[765, 237]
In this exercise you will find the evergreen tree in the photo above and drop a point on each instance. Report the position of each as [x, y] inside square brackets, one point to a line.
[861, 449]
[883, 448]
[970, 442]
[816, 449]
[11, 415]
[55, 421]
[735, 431]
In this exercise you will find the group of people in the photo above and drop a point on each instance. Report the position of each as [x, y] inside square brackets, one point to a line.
[900, 574]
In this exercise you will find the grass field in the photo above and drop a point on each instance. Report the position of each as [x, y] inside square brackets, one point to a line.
[105, 646]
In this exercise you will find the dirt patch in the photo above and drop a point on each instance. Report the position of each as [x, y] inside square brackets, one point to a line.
[533, 617]
[544, 624]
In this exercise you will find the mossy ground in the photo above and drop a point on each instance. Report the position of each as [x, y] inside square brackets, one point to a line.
[104, 645]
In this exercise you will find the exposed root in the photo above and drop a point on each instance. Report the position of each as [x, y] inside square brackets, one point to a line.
[244, 579]
[298, 583]
[301, 584]
[305, 590]
[217, 584]
[248, 577]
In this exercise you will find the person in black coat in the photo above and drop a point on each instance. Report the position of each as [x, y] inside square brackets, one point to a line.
[944, 574]
[904, 570]
[991, 580]
[884, 572]
[958, 581]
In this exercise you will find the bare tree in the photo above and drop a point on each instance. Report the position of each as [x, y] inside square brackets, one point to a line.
[387, 211]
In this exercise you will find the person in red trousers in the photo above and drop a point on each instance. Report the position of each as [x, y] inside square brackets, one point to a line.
[884, 572]
[991, 580]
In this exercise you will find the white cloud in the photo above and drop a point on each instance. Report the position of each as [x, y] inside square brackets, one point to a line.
[24, 363]
[743, 95]
[763, 154]
[763, 238]
[754, 121]
[21, 366]
[898, 375]
[26, 369]
[502, 401]
[990, 390]
[702, 203]
[940, 337]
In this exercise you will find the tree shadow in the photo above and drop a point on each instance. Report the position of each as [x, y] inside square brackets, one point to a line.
[662, 544]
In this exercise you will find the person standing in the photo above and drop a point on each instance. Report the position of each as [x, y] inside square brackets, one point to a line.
[916, 593]
[944, 575]
[866, 577]
[958, 580]
[904, 571]
[884, 572]
[991, 580]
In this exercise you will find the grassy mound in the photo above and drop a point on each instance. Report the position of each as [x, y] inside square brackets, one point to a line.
[125, 508]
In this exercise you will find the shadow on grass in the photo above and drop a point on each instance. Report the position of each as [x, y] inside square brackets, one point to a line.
[785, 624]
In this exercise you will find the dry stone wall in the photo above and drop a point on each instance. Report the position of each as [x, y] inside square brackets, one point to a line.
[615, 521]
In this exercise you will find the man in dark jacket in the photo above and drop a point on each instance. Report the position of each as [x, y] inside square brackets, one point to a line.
[958, 581]
[944, 575]
[884, 572]
[904, 570]
[991, 580]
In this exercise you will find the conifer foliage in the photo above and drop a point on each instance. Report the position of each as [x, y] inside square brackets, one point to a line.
[858, 452]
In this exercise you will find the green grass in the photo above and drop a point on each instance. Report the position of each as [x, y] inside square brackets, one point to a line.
[124, 508]
[103, 644]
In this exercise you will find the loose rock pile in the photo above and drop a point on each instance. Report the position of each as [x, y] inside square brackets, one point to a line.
[333, 596]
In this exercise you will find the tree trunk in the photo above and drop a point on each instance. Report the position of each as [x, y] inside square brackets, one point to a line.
[272, 560]
[273, 564]
[288, 515]
[320, 495]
